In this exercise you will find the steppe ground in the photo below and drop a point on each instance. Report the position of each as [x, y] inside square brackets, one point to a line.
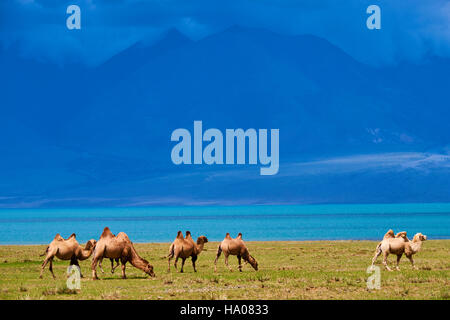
[288, 270]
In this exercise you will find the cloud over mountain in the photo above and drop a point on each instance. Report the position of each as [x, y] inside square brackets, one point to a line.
[411, 30]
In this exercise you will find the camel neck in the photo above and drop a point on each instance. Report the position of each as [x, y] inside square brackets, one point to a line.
[199, 247]
[85, 253]
[137, 261]
[416, 246]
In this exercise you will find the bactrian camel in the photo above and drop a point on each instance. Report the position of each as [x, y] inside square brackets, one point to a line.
[237, 248]
[113, 267]
[398, 245]
[184, 248]
[118, 247]
[66, 249]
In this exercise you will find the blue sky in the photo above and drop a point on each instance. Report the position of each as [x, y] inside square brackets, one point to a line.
[410, 29]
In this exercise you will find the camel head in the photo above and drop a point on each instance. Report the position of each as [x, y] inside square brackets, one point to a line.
[202, 240]
[419, 237]
[253, 262]
[148, 268]
[90, 244]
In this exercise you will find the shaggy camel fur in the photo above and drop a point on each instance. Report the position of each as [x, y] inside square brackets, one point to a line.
[398, 245]
[118, 247]
[66, 249]
[235, 247]
[184, 248]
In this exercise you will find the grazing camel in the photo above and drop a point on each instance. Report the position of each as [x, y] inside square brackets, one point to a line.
[66, 249]
[235, 247]
[398, 245]
[118, 247]
[184, 248]
[113, 267]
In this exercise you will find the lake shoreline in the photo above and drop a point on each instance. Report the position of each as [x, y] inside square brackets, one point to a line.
[218, 241]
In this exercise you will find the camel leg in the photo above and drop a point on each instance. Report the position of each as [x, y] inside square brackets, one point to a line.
[123, 269]
[50, 267]
[385, 255]
[46, 260]
[194, 258]
[226, 261]
[410, 257]
[240, 265]
[112, 265]
[176, 261]
[100, 264]
[183, 260]
[93, 267]
[219, 251]
[399, 256]
[377, 254]
[49, 257]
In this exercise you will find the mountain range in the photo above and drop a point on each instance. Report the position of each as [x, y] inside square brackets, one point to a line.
[72, 135]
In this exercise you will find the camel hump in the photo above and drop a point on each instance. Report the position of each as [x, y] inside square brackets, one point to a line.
[401, 234]
[188, 234]
[122, 235]
[389, 234]
[73, 235]
[58, 237]
[227, 236]
[239, 235]
[180, 235]
[106, 233]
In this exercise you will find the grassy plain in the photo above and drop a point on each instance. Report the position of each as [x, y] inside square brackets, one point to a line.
[288, 270]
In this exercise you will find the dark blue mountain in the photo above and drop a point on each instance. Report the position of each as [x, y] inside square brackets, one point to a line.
[132, 58]
[323, 100]
[101, 136]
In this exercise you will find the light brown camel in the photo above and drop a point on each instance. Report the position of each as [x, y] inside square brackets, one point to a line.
[113, 267]
[66, 249]
[184, 248]
[118, 247]
[235, 247]
[399, 245]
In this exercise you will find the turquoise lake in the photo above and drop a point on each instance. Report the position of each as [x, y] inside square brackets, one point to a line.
[278, 222]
